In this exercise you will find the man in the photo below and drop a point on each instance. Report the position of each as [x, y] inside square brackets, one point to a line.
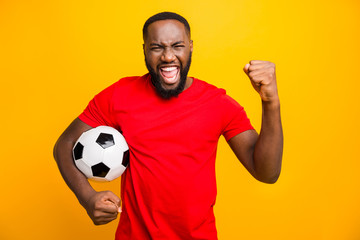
[172, 124]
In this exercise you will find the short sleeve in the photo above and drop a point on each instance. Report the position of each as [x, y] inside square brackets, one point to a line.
[236, 119]
[99, 110]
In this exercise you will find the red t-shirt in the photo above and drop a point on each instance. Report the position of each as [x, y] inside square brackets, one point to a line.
[169, 189]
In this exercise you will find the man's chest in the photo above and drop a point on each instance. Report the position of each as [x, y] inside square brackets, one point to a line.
[179, 123]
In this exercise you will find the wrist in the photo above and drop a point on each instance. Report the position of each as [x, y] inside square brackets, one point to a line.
[86, 194]
[272, 104]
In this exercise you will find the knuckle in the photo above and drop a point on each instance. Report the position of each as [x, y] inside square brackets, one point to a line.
[270, 71]
[108, 193]
[96, 214]
[257, 78]
[97, 205]
[272, 66]
[251, 68]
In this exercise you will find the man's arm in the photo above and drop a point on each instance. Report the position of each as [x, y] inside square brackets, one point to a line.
[102, 207]
[262, 154]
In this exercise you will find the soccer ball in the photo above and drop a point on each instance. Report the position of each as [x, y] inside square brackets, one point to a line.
[101, 153]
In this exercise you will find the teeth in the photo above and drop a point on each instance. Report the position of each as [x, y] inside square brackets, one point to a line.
[171, 79]
[168, 69]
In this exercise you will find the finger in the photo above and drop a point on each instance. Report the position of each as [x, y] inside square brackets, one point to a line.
[255, 73]
[112, 208]
[104, 205]
[104, 220]
[246, 68]
[258, 66]
[109, 216]
[257, 62]
[256, 70]
[261, 79]
[114, 199]
[261, 65]
[99, 215]
[109, 207]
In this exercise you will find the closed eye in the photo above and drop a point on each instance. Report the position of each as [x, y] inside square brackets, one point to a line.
[179, 46]
[154, 46]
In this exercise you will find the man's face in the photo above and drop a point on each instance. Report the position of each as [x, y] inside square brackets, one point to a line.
[167, 50]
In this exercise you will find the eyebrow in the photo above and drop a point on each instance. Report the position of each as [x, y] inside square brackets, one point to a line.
[178, 42]
[159, 45]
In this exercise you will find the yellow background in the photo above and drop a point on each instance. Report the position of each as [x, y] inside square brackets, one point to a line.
[55, 55]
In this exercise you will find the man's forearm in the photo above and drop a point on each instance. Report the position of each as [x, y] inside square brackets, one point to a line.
[269, 146]
[76, 181]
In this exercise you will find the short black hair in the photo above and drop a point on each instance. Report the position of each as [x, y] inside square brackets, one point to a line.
[165, 16]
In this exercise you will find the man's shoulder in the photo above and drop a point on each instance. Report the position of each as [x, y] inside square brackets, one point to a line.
[210, 91]
[132, 80]
[124, 84]
[127, 83]
[208, 87]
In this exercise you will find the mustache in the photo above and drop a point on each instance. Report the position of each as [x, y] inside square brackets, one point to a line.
[155, 79]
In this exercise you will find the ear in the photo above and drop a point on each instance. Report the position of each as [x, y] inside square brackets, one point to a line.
[143, 48]
[191, 45]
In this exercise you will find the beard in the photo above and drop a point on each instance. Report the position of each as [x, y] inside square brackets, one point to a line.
[168, 93]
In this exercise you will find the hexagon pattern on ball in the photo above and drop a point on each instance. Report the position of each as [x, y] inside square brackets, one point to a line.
[105, 140]
[101, 153]
[78, 151]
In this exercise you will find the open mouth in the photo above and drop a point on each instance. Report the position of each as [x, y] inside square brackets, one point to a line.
[170, 74]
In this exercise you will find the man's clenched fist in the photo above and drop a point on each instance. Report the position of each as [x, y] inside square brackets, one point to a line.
[263, 78]
[103, 207]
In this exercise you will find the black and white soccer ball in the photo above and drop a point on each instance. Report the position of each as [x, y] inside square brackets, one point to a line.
[101, 153]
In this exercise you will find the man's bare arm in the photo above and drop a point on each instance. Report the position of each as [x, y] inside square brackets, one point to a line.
[262, 154]
[102, 207]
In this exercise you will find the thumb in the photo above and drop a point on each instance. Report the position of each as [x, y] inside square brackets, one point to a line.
[246, 68]
[111, 197]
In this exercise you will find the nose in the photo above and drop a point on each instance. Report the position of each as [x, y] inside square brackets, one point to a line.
[168, 55]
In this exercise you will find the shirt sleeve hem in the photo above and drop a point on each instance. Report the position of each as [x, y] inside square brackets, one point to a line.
[88, 121]
[234, 133]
